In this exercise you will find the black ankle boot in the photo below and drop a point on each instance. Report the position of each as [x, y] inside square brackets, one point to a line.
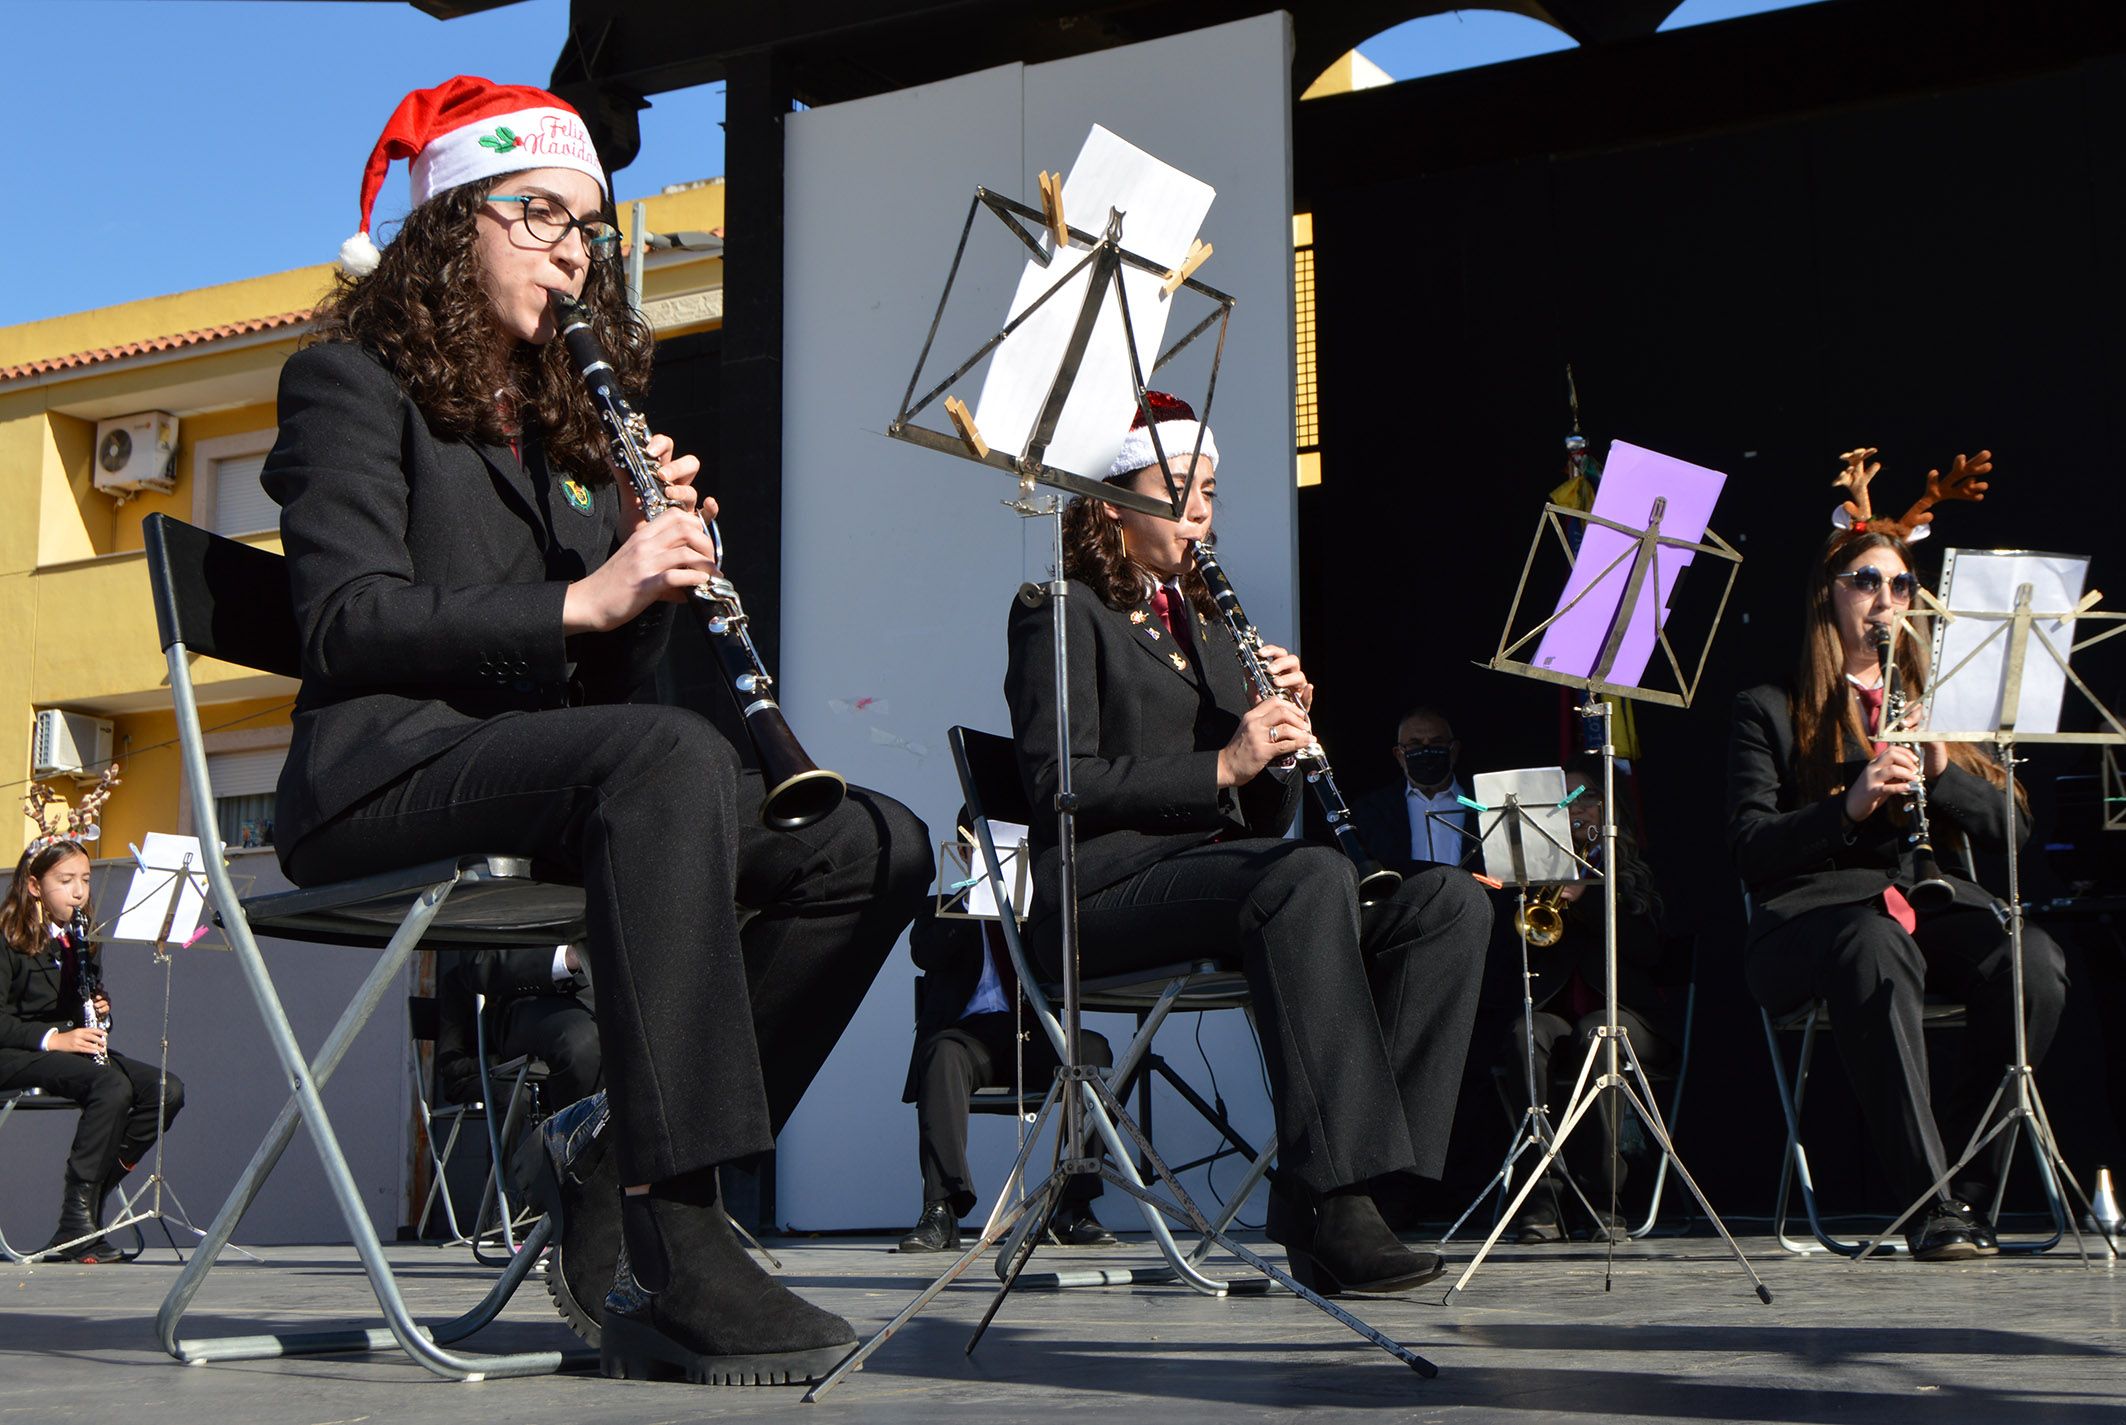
[688, 1301]
[1351, 1249]
[567, 1169]
[77, 1218]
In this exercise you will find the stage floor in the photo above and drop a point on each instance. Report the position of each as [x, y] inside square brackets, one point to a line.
[1535, 1337]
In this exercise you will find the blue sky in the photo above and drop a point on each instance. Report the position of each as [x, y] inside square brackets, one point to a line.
[202, 141]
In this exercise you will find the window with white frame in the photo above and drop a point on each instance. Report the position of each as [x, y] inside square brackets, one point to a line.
[228, 498]
[243, 785]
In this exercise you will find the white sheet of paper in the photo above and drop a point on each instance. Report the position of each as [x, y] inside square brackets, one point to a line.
[1539, 789]
[1162, 210]
[147, 899]
[1968, 699]
[1010, 840]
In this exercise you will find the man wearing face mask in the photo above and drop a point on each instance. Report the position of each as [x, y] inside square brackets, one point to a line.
[1397, 823]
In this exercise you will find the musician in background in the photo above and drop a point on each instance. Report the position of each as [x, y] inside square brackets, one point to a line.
[1569, 978]
[1814, 825]
[969, 1034]
[1398, 823]
[538, 1004]
[477, 603]
[1365, 1013]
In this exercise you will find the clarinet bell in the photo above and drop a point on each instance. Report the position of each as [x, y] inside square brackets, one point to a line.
[1378, 885]
[2104, 1209]
[1931, 890]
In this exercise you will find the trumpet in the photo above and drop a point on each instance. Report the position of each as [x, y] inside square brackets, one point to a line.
[799, 791]
[1541, 922]
[1930, 888]
[1375, 882]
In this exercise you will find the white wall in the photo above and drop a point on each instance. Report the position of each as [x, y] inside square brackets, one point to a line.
[899, 563]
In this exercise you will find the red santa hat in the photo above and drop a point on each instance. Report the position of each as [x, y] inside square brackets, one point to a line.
[1177, 425]
[466, 129]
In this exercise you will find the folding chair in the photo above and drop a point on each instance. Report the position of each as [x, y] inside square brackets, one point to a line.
[230, 601]
[523, 1075]
[33, 1101]
[991, 789]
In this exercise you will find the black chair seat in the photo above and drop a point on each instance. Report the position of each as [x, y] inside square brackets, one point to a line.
[24, 1100]
[1211, 987]
[499, 901]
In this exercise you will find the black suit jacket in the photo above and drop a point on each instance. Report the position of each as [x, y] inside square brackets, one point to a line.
[33, 1000]
[1797, 855]
[428, 575]
[1147, 720]
[1381, 818]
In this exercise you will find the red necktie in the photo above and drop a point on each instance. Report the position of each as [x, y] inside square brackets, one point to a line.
[1159, 607]
[1893, 899]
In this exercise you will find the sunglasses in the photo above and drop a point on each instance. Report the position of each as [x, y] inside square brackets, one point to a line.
[1868, 580]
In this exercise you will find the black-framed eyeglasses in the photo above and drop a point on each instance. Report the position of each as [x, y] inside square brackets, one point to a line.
[1868, 580]
[548, 222]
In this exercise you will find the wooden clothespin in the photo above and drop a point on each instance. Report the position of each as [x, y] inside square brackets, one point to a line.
[963, 422]
[1199, 251]
[1052, 207]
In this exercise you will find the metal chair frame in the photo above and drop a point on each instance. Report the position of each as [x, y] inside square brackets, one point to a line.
[31, 1100]
[229, 600]
[1151, 995]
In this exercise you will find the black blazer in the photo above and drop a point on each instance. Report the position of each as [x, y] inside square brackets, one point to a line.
[1147, 720]
[1797, 856]
[428, 575]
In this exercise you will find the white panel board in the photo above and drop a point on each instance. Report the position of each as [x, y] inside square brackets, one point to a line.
[899, 564]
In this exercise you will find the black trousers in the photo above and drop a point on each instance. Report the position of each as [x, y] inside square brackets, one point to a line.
[1874, 976]
[117, 1104]
[708, 1039]
[1365, 1019]
[561, 1032]
[1560, 1050]
[981, 1052]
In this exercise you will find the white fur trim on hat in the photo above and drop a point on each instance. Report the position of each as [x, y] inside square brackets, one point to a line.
[358, 256]
[1177, 438]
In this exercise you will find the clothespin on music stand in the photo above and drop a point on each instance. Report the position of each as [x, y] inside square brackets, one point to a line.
[1052, 208]
[1199, 251]
[963, 422]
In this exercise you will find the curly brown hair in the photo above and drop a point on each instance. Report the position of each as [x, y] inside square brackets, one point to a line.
[426, 314]
[1093, 554]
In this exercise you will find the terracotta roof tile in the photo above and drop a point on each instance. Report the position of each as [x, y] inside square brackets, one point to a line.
[153, 344]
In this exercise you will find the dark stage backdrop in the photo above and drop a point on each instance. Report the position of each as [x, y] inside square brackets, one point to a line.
[1930, 276]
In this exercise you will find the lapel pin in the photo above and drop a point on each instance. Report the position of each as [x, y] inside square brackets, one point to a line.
[1180, 663]
[1136, 616]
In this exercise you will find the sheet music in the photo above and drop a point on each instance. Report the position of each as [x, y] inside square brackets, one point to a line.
[1966, 696]
[1010, 838]
[1162, 210]
[158, 880]
[1540, 790]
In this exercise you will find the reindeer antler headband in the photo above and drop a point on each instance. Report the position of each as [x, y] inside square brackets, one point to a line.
[1963, 482]
[80, 823]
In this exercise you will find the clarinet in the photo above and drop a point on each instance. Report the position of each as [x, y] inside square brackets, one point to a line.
[1930, 889]
[88, 978]
[799, 791]
[1375, 882]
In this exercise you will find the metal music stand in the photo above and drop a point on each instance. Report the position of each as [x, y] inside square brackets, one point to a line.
[1619, 586]
[1535, 1132]
[1079, 1091]
[2016, 1099]
[166, 886]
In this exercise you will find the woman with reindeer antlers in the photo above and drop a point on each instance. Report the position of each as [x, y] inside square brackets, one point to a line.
[1837, 907]
[47, 1041]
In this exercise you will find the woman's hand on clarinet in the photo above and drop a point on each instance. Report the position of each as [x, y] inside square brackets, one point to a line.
[1271, 730]
[1936, 754]
[661, 561]
[676, 473]
[103, 1007]
[79, 1041]
[1284, 670]
[1889, 773]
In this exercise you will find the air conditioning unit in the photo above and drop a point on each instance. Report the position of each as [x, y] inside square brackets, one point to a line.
[70, 745]
[136, 453]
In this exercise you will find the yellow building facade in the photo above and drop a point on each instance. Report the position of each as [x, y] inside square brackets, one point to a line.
[77, 631]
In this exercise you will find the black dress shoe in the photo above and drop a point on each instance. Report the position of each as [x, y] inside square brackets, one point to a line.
[1942, 1235]
[1353, 1250]
[1978, 1228]
[1075, 1226]
[937, 1230]
[77, 1220]
[1538, 1221]
[688, 1301]
[567, 1169]
[1608, 1227]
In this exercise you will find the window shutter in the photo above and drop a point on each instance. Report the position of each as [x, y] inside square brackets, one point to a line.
[241, 504]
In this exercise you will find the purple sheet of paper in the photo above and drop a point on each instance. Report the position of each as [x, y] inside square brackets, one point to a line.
[1632, 479]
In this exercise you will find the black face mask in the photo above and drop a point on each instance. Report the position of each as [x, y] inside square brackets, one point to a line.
[1428, 766]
